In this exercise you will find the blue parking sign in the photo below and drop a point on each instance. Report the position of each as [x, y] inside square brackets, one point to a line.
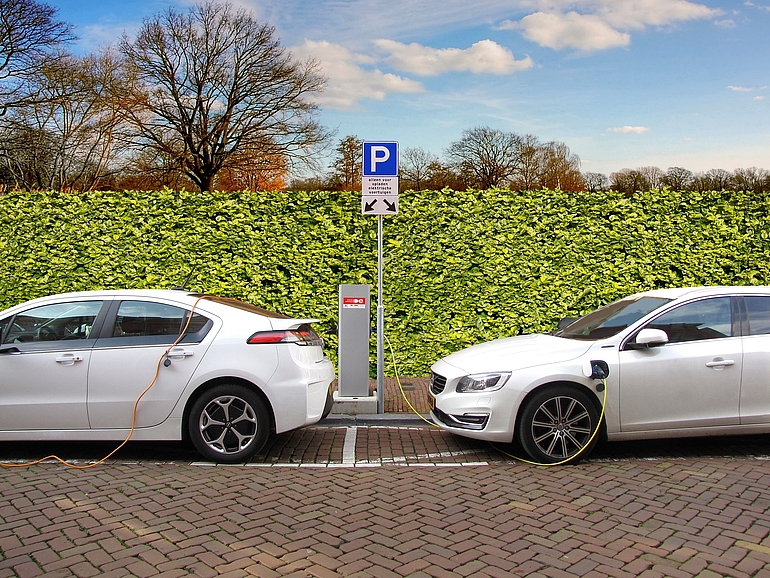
[380, 159]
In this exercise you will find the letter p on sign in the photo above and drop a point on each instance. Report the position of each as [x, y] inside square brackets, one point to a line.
[380, 159]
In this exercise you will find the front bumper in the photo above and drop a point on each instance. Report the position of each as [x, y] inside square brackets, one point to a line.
[487, 416]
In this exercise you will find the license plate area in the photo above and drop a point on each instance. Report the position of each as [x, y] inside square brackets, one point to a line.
[431, 402]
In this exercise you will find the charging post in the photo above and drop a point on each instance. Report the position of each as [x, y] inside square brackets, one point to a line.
[379, 196]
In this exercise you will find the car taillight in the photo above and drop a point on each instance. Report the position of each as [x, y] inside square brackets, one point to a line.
[304, 335]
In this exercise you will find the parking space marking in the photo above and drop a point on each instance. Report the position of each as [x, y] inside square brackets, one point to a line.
[349, 448]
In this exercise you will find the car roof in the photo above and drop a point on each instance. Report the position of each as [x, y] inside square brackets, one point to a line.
[692, 292]
[175, 294]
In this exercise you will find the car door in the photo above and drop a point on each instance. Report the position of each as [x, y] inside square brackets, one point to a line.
[44, 359]
[127, 356]
[755, 388]
[692, 381]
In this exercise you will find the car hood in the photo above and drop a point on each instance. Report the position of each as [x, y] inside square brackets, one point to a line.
[518, 352]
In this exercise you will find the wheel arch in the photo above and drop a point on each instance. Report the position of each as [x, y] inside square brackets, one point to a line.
[565, 383]
[219, 381]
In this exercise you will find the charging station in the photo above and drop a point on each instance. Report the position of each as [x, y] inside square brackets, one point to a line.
[353, 330]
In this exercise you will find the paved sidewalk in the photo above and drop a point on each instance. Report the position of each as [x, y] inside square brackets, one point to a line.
[650, 518]
[414, 388]
[389, 496]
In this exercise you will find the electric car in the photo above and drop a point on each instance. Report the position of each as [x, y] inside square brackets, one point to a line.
[159, 365]
[663, 363]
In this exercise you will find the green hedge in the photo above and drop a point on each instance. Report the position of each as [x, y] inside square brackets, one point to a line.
[460, 267]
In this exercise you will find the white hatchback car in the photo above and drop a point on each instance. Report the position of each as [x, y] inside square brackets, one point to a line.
[680, 362]
[72, 367]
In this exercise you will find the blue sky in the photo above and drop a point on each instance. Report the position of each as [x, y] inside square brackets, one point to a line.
[624, 83]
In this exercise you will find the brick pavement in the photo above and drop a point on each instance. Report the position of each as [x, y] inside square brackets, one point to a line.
[650, 518]
[414, 388]
[376, 501]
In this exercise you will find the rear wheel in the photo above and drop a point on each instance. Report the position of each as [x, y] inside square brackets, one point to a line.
[557, 425]
[229, 423]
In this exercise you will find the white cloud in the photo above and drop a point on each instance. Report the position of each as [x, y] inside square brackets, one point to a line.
[748, 90]
[348, 80]
[572, 30]
[483, 57]
[601, 24]
[638, 14]
[95, 37]
[630, 129]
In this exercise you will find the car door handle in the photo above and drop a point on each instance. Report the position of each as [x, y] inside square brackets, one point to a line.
[69, 359]
[179, 354]
[720, 363]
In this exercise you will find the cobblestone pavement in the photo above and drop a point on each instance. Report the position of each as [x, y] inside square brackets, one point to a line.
[373, 498]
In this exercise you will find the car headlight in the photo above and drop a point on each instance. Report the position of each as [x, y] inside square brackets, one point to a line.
[482, 382]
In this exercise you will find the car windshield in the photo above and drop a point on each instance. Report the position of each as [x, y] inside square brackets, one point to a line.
[612, 319]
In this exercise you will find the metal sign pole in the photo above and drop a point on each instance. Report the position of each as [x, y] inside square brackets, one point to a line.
[379, 196]
[380, 324]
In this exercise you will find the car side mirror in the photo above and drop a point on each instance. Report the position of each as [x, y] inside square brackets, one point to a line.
[565, 321]
[647, 338]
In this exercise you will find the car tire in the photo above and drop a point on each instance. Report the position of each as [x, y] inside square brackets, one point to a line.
[328, 405]
[557, 425]
[229, 423]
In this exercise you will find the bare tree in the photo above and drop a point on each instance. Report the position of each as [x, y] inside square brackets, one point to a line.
[347, 164]
[486, 157]
[415, 168]
[442, 176]
[73, 124]
[751, 179]
[596, 182]
[528, 171]
[629, 181]
[713, 180]
[653, 177]
[559, 168]
[213, 83]
[29, 35]
[678, 179]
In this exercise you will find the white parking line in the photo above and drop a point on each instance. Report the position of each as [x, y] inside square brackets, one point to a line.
[349, 449]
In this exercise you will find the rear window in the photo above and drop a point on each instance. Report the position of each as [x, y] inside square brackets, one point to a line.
[245, 307]
[759, 315]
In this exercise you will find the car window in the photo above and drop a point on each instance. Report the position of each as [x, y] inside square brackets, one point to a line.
[56, 322]
[3, 326]
[696, 321]
[145, 318]
[612, 319]
[759, 315]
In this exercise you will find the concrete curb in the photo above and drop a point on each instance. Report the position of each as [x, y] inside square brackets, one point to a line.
[374, 419]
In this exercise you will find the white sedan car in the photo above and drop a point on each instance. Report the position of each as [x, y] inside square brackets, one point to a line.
[72, 367]
[675, 362]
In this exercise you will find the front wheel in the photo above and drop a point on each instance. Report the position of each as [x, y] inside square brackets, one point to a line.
[558, 425]
[229, 423]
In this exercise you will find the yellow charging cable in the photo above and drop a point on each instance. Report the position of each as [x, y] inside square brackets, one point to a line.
[401, 387]
[133, 418]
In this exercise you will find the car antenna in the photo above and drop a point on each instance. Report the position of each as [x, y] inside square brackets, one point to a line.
[183, 286]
